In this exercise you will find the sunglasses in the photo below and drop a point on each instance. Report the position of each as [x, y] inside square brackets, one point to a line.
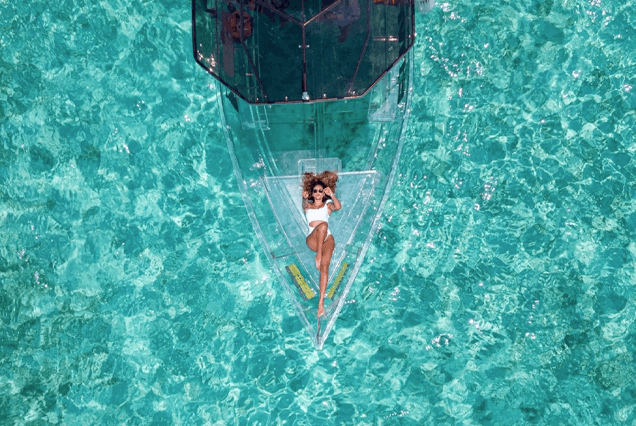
[317, 190]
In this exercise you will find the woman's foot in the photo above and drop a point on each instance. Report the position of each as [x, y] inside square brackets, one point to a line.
[321, 309]
[318, 261]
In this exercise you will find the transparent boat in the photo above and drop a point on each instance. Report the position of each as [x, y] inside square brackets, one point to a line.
[311, 86]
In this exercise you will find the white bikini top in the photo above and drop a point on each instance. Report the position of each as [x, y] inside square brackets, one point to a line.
[321, 214]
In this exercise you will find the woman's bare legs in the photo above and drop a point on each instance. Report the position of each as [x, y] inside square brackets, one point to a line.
[327, 251]
[324, 251]
[316, 240]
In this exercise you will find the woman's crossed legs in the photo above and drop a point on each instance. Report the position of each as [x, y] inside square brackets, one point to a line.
[323, 245]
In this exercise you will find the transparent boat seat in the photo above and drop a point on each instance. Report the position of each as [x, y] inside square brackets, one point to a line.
[318, 165]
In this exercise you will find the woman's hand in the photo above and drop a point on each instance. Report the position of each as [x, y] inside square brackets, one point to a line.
[336, 203]
[305, 194]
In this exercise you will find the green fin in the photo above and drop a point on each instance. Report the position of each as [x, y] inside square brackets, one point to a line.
[300, 282]
[338, 280]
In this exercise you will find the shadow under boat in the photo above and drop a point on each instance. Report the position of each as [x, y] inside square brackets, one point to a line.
[274, 139]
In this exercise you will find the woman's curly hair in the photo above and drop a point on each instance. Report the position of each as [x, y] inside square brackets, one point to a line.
[327, 179]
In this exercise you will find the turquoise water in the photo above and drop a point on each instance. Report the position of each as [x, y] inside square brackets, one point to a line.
[498, 291]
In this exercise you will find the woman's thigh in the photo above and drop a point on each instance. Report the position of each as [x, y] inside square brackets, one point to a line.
[311, 240]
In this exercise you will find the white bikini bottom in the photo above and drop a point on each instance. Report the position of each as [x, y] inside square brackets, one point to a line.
[311, 229]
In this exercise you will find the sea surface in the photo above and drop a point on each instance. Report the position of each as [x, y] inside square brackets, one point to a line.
[498, 291]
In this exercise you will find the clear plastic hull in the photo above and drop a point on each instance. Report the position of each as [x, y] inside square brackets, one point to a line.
[272, 145]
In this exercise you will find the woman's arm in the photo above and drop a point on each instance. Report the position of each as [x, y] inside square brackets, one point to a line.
[305, 202]
[336, 203]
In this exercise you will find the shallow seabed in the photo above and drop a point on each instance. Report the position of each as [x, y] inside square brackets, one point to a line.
[499, 290]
